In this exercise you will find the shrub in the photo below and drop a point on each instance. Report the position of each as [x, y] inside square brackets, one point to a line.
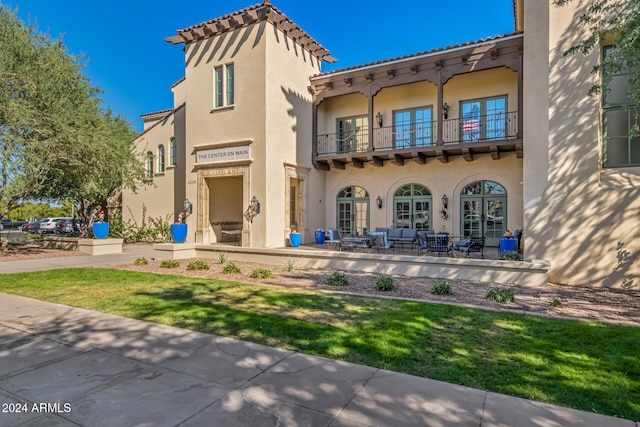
[555, 302]
[442, 288]
[502, 295]
[198, 264]
[141, 261]
[170, 263]
[231, 268]
[510, 256]
[261, 273]
[384, 283]
[290, 265]
[337, 279]
[223, 256]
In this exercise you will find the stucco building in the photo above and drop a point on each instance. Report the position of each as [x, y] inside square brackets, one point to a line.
[480, 137]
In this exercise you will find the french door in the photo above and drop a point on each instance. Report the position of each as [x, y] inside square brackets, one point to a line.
[483, 211]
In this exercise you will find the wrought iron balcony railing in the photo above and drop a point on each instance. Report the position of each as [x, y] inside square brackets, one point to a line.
[488, 127]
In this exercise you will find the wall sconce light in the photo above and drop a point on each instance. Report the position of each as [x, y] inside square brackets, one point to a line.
[252, 210]
[379, 119]
[379, 202]
[445, 204]
[255, 205]
[445, 111]
[188, 207]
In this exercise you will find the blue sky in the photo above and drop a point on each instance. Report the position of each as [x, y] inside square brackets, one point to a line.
[127, 57]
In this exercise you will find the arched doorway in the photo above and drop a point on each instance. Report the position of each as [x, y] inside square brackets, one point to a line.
[483, 210]
[352, 206]
[412, 207]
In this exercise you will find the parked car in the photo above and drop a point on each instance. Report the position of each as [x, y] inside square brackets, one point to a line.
[10, 224]
[32, 227]
[48, 225]
[68, 225]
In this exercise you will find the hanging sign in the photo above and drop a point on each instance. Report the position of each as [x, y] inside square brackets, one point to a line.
[216, 155]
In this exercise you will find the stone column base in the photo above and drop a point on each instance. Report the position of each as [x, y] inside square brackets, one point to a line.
[100, 246]
[163, 251]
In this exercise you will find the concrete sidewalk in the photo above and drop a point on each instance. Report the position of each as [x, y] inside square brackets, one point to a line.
[129, 254]
[64, 366]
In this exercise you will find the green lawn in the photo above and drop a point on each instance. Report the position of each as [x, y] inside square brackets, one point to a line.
[585, 365]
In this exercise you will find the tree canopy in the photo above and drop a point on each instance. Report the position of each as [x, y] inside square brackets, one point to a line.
[55, 139]
[620, 19]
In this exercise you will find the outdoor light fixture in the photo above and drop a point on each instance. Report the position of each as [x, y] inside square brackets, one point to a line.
[379, 202]
[253, 209]
[445, 201]
[445, 111]
[188, 207]
[255, 205]
[379, 119]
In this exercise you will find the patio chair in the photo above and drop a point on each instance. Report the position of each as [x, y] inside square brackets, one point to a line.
[378, 241]
[332, 239]
[470, 245]
[433, 243]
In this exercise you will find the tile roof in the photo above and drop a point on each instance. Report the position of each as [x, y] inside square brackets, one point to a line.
[264, 11]
[417, 54]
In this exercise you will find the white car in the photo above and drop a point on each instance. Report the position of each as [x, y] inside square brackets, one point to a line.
[48, 225]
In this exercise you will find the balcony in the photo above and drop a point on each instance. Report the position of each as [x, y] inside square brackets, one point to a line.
[493, 134]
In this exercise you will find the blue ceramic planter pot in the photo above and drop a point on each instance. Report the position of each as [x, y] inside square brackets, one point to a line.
[179, 233]
[295, 239]
[100, 230]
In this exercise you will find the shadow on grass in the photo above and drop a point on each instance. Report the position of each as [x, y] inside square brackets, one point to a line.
[588, 366]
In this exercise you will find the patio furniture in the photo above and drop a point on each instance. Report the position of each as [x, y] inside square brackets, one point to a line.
[433, 243]
[378, 241]
[354, 242]
[474, 244]
[400, 235]
[332, 239]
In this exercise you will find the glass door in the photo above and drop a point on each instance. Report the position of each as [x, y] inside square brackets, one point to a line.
[494, 220]
[472, 217]
[422, 214]
[345, 216]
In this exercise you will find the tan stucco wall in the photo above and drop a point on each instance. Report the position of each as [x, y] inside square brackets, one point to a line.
[581, 218]
[440, 178]
[163, 198]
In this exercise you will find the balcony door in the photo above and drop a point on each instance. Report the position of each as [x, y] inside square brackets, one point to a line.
[352, 134]
[484, 119]
[352, 206]
[412, 128]
[483, 211]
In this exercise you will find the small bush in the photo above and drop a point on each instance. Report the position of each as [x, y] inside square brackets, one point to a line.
[502, 295]
[510, 256]
[290, 265]
[141, 261]
[222, 257]
[385, 283]
[169, 263]
[555, 302]
[231, 268]
[442, 288]
[198, 264]
[261, 273]
[337, 279]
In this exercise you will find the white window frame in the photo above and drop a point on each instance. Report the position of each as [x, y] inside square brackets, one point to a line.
[161, 158]
[173, 152]
[223, 86]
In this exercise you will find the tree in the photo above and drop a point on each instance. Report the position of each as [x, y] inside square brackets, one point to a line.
[56, 142]
[618, 18]
[42, 95]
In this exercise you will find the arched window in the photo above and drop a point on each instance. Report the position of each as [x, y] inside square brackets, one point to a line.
[352, 206]
[483, 210]
[160, 158]
[412, 205]
[149, 164]
[173, 152]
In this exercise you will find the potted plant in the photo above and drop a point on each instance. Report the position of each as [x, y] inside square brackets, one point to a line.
[295, 239]
[179, 230]
[101, 227]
